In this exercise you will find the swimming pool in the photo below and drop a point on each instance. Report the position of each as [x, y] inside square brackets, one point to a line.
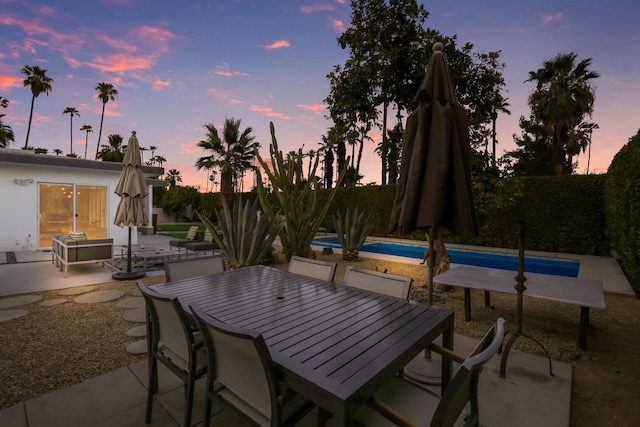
[556, 267]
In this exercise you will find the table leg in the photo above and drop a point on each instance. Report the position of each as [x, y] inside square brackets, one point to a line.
[467, 304]
[584, 327]
[447, 363]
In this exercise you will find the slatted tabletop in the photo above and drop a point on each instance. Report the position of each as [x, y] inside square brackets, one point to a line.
[334, 344]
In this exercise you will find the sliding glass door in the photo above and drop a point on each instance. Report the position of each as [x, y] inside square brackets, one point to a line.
[67, 207]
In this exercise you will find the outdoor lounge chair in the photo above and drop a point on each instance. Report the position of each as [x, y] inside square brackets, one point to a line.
[193, 235]
[171, 342]
[178, 269]
[207, 244]
[241, 377]
[374, 281]
[323, 270]
[405, 403]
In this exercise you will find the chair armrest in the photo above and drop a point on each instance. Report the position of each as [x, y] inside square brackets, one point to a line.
[197, 345]
[390, 413]
[446, 353]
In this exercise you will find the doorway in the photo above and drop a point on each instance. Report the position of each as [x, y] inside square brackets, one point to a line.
[67, 207]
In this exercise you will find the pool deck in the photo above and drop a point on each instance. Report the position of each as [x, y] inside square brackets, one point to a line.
[601, 268]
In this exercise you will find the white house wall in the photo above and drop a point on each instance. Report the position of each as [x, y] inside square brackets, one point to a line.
[19, 218]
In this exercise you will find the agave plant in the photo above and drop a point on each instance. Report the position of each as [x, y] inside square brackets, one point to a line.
[243, 238]
[352, 230]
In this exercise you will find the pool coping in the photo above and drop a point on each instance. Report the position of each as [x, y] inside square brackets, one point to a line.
[601, 268]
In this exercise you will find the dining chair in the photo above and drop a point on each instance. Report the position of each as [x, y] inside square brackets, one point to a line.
[242, 379]
[405, 403]
[375, 281]
[171, 342]
[323, 270]
[178, 269]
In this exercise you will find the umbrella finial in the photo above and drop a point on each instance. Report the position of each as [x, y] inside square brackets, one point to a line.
[133, 132]
[438, 47]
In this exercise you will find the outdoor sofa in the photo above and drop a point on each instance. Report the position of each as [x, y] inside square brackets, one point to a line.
[67, 251]
[193, 235]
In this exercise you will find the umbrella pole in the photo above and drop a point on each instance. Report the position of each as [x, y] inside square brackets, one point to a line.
[128, 275]
[424, 368]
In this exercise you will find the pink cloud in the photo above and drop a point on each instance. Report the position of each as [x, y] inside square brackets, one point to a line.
[337, 25]
[8, 81]
[341, 1]
[268, 111]
[121, 63]
[317, 7]
[278, 44]
[160, 84]
[555, 17]
[227, 73]
[236, 101]
[316, 108]
[117, 44]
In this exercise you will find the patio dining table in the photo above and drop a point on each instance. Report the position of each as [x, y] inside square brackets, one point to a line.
[333, 344]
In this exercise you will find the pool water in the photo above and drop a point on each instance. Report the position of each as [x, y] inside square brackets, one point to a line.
[554, 267]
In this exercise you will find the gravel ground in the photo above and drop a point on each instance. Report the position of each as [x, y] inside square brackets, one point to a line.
[54, 347]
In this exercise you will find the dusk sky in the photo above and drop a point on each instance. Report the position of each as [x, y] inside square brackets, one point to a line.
[180, 64]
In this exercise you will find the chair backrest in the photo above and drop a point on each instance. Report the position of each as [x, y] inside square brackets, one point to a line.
[169, 325]
[178, 269]
[240, 361]
[323, 270]
[463, 388]
[381, 283]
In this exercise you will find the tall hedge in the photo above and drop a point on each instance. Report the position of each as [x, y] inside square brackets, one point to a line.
[563, 214]
[622, 201]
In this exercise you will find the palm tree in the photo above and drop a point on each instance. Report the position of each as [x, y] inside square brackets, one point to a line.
[6, 133]
[233, 154]
[114, 152]
[173, 177]
[153, 149]
[499, 104]
[72, 111]
[38, 81]
[57, 151]
[157, 160]
[562, 98]
[88, 129]
[106, 92]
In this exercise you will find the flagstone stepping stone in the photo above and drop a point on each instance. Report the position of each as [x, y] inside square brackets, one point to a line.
[52, 302]
[134, 302]
[99, 296]
[76, 291]
[138, 331]
[19, 300]
[137, 315]
[137, 347]
[12, 314]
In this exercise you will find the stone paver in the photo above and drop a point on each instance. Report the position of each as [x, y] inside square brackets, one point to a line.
[135, 315]
[52, 302]
[12, 314]
[137, 347]
[137, 331]
[12, 302]
[134, 302]
[99, 296]
[76, 291]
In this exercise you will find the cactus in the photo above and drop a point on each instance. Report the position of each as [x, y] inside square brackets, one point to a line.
[352, 230]
[296, 197]
[243, 238]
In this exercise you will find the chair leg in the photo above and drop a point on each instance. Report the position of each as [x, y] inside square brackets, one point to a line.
[152, 387]
[207, 410]
[189, 400]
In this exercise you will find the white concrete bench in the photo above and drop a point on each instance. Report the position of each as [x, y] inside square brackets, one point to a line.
[571, 290]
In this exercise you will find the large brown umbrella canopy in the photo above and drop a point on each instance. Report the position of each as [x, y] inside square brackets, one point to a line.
[131, 188]
[434, 189]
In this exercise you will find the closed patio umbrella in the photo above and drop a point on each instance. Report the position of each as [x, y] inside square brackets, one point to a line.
[132, 190]
[434, 189]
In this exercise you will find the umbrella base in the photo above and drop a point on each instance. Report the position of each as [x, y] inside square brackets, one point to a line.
[425, 369]
[128, 275]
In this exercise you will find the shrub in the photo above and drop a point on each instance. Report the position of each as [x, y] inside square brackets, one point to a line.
[352, 230]
[622, 201]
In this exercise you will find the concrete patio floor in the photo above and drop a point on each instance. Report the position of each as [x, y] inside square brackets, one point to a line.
[528, 396]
